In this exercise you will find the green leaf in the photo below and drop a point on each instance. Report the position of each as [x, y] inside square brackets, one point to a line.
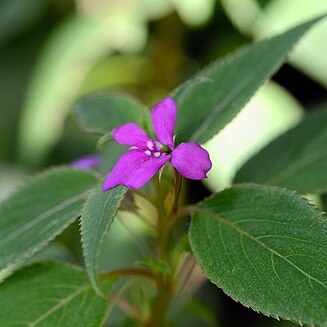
[101, 113]
[266, 248]
[296, 160]
[98, 214]
[40, 210]
[206, 106]
[50, 294]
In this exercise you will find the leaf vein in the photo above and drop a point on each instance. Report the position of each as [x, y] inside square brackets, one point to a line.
[59, 305]
[46, 214]
[253, 238]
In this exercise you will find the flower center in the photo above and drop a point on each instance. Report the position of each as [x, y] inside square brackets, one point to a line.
[156, 149]
[165, 148]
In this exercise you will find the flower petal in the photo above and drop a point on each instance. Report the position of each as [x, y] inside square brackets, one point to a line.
[191, 160]
[134, 169]
[87, 162]
[131, 134]
[164, 121]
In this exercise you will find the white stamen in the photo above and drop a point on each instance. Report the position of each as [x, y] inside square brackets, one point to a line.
[150, 145]
[160, 173]
[157, 154]
[147, 152]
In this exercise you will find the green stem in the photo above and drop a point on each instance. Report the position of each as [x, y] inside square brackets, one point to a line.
[177, 192]
[127, 308]
[165, 283]
[128, 272]
[165, 292]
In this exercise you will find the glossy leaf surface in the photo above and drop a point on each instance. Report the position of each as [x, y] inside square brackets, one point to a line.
[50, 294]
[101, 113]
[296, 160]
[99, 211]
[222, 90]
[267, 248]
[40, 210]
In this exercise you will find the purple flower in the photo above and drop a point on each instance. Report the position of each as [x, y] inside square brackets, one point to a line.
[147, 156]
[87, 162]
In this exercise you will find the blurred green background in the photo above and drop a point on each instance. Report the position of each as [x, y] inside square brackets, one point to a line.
[53, 52]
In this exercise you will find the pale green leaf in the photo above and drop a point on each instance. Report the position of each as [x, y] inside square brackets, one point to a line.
[101, 113]
[206, 107]
[98, 214]
[309, 57]
[40, 210]
[75, 46]
[296, 160]
[50, 294]
[266, 248]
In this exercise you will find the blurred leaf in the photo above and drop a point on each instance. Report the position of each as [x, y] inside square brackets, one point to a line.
[110, 154]
[242, 14]
[98, 214]
[69, 55]
[265, 18]
[193, 312]
[17, 15]
[10, 176]
[119, 71]
[296, 160]
[205, 108]
[280, 15]
[101, 113]
[50, 294]
[52, 252]
[264, 3]
[200, 310]
[155, 9]
[121, 244]
[266, 248]
[194, 12]
[40, 210]
[271, 112]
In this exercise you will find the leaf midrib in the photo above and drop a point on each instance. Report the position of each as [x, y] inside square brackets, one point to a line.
[229, 96]
[91, 261]
[60, 304]
[93, 271]
[253, 238]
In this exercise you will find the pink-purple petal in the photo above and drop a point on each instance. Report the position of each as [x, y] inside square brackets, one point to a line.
[134, 169]
[191, 160]
[132, 135]
[87, 162]
[164, 121]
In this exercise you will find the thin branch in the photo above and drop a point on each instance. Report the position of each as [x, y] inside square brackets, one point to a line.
[128, 272]
[125, 306]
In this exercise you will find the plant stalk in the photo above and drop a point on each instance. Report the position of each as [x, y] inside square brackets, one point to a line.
[165, 283]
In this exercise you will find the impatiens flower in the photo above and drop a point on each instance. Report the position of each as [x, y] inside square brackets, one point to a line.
[87, 162]
[147, 156]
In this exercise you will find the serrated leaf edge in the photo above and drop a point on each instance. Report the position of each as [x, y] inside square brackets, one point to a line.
[100, 95]
[94, 278]
[32, 179]
[291, 192]
[309, 116]
[81, 289]
[222, 61]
